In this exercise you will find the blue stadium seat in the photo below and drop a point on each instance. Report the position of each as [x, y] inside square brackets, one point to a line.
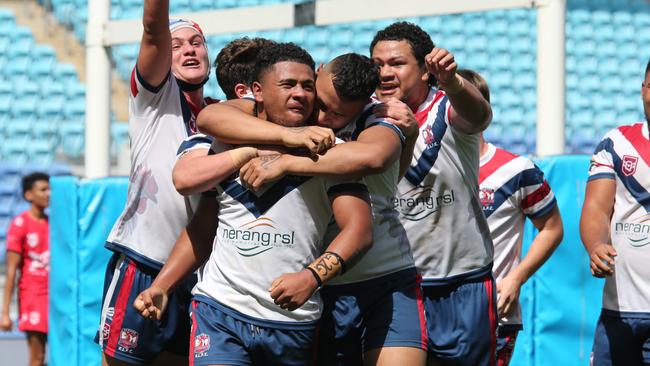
[6, 94]
[41, 152]
[58, 168]
[23, 109]
[119, 136]
[51, 112]
[74, 109]
[71, 135]
[46, 131]
[10, 176]
[65, 73]
[15, 151]
[75, 92]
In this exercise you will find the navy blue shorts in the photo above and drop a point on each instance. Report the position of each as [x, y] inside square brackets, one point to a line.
[462, 321]
[621, 339]
[223, 336]
[382, 312]
[123, 333]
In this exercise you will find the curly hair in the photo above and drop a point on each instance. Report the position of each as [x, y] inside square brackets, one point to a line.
[280, 52]
[420, 42]
[235, 63]
[355, 77]
[29, 180]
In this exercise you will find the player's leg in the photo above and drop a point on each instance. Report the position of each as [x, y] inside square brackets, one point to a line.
[395, 324]
[36, 343]
[615, 342]
[216, 337]
[461, 319]
[506, 338]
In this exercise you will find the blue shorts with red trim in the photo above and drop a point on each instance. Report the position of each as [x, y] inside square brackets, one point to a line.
[223, 336]
[622, 338]
[506, 339]
[123, 333]
[382, 312]
[462, 318]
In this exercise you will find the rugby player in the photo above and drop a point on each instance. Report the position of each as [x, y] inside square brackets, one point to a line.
[438, 197]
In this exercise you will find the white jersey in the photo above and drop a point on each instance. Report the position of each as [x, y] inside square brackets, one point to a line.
[438, 199]
[511, 188]
[155, 213]
[624, 155]
[263, 235]
[390, 251]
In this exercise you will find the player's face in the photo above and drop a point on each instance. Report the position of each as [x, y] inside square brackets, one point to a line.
[189, 56]
[39, 195]
[287, 92]
[400, 74]
[645, 95]
[333, 112]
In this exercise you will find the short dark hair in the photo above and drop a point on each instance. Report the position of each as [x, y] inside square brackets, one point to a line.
[30, 179]
[477, 80]
[647, 68]
[279, 52]
[419, 40]
[354, 76]
[235, 63]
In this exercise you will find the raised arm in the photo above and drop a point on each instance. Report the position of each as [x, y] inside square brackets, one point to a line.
[594, 225]
[234, 122]
[470, 113]
[549, 237]
[353, 216]
[155, 57]
[192, 249]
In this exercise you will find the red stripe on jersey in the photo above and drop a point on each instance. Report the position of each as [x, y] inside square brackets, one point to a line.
[500, 158]
[538, 195]
[134, 84]
[120, 309]
[422, 115]
[634, 134]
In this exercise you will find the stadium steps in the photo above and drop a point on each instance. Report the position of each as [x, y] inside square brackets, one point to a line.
[68, 48]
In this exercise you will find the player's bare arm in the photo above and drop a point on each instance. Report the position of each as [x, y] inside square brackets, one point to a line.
[401, 116]
[353, 215]
[155, 57]
[549, 237]
[234, 122]
[470, 113]
[197, 172]
[13, 263]
[375, 150]
[192, 249]
[594, 225]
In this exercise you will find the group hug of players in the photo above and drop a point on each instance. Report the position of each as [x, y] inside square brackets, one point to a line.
[325, 226]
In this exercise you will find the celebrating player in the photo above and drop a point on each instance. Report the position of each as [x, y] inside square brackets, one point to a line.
[615, 227]
[439, 192]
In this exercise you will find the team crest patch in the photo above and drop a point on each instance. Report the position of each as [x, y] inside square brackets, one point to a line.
[629, 164]
[486, 196]
[128, 338]
[201, 343]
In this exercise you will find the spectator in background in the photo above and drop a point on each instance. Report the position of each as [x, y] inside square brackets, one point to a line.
[615, 230]
[511, 188]
[28, 250]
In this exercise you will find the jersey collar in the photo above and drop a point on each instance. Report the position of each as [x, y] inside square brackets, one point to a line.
[489, 154]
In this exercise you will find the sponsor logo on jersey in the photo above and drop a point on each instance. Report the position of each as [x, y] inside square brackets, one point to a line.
[106, 331]
[201, 345]
[423, 201]
[32, 240]
[629, 164]
[257, 237]
[128, 340]
[636, 233]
